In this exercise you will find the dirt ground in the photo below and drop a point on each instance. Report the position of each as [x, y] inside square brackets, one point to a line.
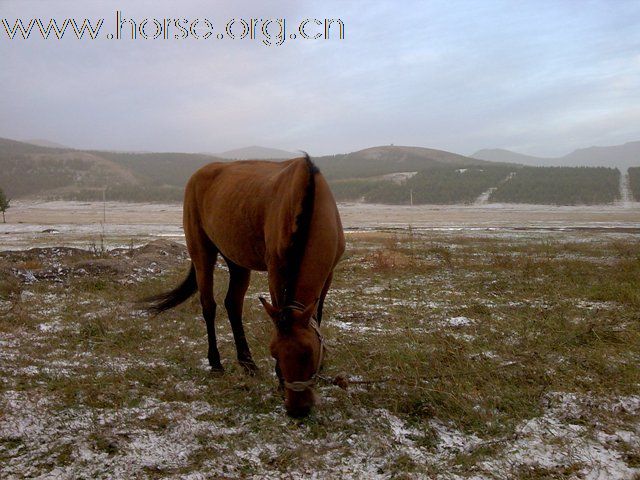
[81, 223]
[354, 215]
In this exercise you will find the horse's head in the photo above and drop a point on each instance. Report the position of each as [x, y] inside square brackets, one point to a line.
[298, 350]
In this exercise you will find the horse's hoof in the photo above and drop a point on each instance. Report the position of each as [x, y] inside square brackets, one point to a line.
[217, 371]
[250, 368]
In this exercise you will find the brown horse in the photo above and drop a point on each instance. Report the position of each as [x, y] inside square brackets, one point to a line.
[278, 217]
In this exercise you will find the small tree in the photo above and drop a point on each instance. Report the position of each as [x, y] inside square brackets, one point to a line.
[4, 204]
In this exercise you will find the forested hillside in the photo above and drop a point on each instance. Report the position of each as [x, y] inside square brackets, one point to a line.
[31, 170]
[436, 185]
[560, 186]
[376, 161]
[443, 185]
[53, 173]
[160, 168]
[424, 176]
[634, 181]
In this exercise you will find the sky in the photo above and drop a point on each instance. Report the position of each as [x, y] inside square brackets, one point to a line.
[537, 77]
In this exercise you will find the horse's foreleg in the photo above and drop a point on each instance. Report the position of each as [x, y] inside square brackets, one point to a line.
[276, 282]
[323, 294]
[233, 302]
[280, 378]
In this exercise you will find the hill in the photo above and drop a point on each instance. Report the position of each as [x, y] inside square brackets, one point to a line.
[41, 142]
[622, 156]
[431, 176]
[376, 161]
[33, 170]
[501, 155]
[27, 169]
[9, 147]
[627, 155]
[257, 153]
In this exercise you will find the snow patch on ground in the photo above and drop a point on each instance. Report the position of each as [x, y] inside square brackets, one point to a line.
[592, 305]
[354, 327]
[458, 321]
[550, 441]
[121, 442]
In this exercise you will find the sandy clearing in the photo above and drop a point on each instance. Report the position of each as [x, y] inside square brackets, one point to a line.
[32, 223]
[354, 215]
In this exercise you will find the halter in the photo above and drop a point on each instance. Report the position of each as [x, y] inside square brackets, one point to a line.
[302, 385]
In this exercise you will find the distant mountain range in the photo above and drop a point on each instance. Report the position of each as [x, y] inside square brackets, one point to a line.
[257, 153]
[32, 170]
[41, 142]
[382, 160]
[621, 156]
[42, 171]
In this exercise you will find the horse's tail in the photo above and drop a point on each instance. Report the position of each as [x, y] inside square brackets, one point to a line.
[168, 300]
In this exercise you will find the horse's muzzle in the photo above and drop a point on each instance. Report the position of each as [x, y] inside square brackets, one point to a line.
[299, 404]
[299, 411]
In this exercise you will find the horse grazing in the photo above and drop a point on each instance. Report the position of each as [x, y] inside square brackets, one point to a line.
[259, 215]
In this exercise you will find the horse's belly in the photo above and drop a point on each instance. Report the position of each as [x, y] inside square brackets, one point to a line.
[243, 246]
[253, 260]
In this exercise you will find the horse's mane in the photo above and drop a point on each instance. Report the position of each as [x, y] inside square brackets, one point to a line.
[300, 235]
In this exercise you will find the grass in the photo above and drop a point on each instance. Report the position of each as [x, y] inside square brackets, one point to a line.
[442, 336]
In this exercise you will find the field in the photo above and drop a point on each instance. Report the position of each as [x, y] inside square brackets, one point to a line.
[90, 224]
[469, 354]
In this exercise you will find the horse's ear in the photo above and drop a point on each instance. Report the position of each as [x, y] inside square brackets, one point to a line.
[305, 315]
[271, 310]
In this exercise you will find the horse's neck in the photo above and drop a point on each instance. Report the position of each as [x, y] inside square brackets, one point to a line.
[324, 246]
[285, 244]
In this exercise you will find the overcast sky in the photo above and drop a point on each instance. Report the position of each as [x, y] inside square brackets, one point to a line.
[539, 77]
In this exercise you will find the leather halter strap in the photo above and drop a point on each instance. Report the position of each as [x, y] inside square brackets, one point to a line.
[302, 385]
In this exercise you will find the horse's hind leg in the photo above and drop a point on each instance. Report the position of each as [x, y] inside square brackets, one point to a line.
[233, 302]
[204, 261]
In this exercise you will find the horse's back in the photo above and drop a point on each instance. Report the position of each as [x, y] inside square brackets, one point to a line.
[246, 172]
[237, 204]
[225, 202]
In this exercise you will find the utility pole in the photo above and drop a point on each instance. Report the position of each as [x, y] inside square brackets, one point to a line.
[104, 218]
[411, 196]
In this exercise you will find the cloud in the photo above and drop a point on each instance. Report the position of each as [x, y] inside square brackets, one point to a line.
[544, 77]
